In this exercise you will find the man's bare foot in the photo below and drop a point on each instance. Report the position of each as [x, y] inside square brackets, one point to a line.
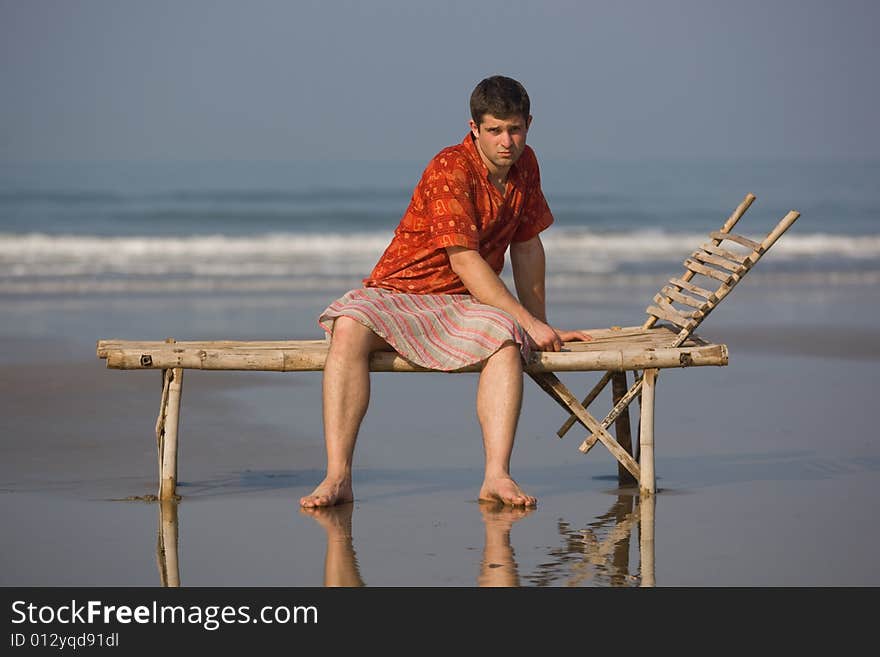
[504, 489]
[329, 492]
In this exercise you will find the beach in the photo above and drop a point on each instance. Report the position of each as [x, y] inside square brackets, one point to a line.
[767, 468]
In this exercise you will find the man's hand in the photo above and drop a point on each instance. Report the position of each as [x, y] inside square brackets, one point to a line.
[485, 285]
[547, 338]
[544, 337]
[574, 336]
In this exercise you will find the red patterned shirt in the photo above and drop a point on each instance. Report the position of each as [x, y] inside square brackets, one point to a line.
[455, 204]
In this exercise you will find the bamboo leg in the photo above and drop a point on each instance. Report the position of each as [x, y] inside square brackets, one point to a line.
[166, 549]
[160, 421]
[646, 434]
[168, 473]
[622, 428]
[553, 386]
[637, 446]
[599, 387]
[621, 405]
[646, 538]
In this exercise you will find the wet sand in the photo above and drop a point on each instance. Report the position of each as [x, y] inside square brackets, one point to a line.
[767, 468]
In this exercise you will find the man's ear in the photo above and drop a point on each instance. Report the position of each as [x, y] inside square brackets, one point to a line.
[475, 129]
[529, 122]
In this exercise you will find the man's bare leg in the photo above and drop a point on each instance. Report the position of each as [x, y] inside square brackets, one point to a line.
[346, 395]
[499, 399]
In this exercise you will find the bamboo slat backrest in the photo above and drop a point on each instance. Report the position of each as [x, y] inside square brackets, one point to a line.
[686, 304]
[711, 272]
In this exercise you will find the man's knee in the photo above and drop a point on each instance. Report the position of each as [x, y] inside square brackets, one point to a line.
[350, 336]
[508, 355]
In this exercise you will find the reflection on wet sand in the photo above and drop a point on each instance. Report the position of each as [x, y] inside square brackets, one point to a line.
[166, 544]
[498, 565]
[340, 562]
[599, 553]
[595, 555]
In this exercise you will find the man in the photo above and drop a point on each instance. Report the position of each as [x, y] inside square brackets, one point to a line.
[435, 296]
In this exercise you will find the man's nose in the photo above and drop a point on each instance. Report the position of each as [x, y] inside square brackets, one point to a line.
[506, 139]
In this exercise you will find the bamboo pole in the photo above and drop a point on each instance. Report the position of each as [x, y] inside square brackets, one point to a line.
[622, 428]
[168, 473]
[647, 485]
[160, 421]
[780, 229]
[166, 547]
[622, 357]
[647, 504]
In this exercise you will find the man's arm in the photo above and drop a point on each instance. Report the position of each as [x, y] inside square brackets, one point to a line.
[485, 285]
[529, 267]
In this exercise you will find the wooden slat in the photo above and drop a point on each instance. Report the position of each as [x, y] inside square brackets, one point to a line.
[724, 253]
[690, 287]
[691, 314]
[655, 337]
[588, 444]
[718, 261]
[710, 272]
[671, 315]
[686, 299]
[739, 239]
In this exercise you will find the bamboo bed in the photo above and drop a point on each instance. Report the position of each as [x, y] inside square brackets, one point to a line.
[614, 351]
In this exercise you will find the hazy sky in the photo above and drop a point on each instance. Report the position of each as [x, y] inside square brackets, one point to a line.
[390, 79]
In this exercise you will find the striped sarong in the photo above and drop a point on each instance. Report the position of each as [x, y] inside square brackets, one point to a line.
[438, 331]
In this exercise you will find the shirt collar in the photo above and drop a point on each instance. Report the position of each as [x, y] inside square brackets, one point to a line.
[470, 146]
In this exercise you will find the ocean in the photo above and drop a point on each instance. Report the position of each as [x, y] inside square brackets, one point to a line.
[103, 228]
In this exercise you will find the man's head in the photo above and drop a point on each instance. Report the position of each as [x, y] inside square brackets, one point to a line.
[500, 120]
[501, 97]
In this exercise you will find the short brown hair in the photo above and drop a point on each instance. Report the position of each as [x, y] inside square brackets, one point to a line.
[499, 96]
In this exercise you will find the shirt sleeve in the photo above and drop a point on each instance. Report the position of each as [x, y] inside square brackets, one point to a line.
[536, 215]
[449, 209]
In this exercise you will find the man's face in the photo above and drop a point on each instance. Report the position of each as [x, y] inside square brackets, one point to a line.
[500, 142]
